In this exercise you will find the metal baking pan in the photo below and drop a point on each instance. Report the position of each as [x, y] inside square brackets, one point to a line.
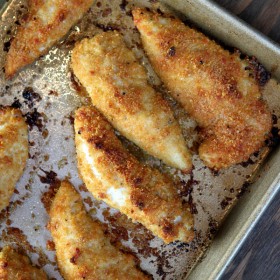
[52, 152]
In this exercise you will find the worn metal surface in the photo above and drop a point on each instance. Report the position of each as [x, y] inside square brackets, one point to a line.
[52, 152]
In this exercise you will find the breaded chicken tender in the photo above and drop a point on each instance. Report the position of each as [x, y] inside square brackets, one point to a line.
[118, 86]
[13, 151]
[215, 87]
[113, 175]
[82, 249]
[46, 23]
[15, 266]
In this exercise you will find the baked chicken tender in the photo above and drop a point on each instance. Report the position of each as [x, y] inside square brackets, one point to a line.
[82, 249]
[15, 266]
[113, 175]
[46, 23]
[13, 151]
[215, 87]
[118, 86]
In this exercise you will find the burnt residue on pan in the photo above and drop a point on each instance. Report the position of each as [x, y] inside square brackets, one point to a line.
[49, 178]
[30, 96]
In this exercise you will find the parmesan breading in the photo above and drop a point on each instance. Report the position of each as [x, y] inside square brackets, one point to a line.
[113, 175]
[15, 266]
[46, 23]
[118, 86]
[215, 87]
[13, 151]
[82, 249]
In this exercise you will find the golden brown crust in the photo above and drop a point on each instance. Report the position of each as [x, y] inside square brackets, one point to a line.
[113, 175]
[15, 266]
[213, 86]
[47, 22]
[118, 86]
[82, 249]
[13, 151]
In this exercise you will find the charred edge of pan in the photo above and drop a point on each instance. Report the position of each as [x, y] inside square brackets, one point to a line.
[226, 201]
[247, 163]
[243, 189]
[213, 228]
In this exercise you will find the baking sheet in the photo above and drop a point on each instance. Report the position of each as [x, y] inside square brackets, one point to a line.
[52, 154]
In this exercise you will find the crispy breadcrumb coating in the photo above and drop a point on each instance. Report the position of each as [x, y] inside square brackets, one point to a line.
[82, 249]
[118, 86]
[113, 175]
[15, 266]
[46, 23]
[13, 151]
[215, 87]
